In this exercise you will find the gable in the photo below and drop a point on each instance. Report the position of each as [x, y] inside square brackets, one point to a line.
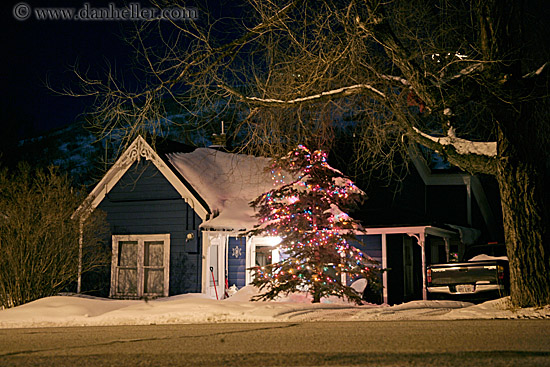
[136, 151]
[142, 181]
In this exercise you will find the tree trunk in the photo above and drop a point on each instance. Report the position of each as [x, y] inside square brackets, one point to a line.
[525, 208]
[316, 293]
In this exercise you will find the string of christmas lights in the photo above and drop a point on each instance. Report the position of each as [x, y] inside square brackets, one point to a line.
[309, 214]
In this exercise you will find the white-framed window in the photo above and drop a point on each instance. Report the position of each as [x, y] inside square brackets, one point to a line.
[140, 265]
[261, 251]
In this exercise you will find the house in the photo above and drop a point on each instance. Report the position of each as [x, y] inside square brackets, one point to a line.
[177, 213]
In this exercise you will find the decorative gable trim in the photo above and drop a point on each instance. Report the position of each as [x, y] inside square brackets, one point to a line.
[136, 151]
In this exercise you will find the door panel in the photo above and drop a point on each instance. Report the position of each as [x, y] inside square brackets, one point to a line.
[127, 282]
[154, 281]
[236, 262]
[154, 253]
[127, 253]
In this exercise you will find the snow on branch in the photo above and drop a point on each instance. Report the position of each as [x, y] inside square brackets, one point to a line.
[464, 72]
[340, 92]
[396, 78]
[536, 72]
[464, 146]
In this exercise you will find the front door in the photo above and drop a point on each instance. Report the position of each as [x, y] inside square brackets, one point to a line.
[215, 268]
[236, 262]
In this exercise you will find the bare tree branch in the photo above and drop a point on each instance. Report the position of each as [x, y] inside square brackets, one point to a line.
[325, 95]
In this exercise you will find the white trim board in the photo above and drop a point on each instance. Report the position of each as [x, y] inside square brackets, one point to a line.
[438, 179]
[435, 231]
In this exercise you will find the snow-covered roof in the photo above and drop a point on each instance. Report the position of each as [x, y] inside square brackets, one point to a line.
[228, 182]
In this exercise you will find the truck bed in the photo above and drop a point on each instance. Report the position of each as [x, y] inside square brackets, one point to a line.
[472, 279]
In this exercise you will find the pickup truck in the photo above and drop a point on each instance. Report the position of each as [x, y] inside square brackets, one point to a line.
[484, 275]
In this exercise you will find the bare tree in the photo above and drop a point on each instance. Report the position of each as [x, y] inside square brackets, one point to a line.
[466, 79]
[38, 238]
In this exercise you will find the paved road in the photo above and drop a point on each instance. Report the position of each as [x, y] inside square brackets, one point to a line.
[385, 343]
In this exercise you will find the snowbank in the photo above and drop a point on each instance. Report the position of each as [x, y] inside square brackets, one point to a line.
[79, 310]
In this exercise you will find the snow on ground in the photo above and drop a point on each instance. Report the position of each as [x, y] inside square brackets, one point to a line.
[78, 310]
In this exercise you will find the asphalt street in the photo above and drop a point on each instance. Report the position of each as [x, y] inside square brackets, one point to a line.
[380, 343]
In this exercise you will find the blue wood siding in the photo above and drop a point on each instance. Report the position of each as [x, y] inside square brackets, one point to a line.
[236, 262]
[144, 202]
[143, 181]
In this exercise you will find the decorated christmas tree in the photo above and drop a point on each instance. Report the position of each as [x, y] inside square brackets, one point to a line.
[309, 214]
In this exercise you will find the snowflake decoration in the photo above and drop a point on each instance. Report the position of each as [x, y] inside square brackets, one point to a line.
[236, 252]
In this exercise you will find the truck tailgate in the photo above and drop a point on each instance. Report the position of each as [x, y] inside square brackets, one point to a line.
[464, 273]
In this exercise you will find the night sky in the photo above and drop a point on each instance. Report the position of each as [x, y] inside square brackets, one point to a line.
[38, 51]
